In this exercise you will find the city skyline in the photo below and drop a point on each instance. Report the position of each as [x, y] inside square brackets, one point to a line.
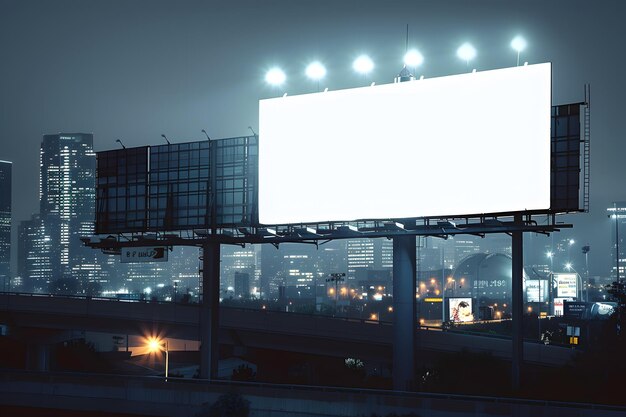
[136, 97]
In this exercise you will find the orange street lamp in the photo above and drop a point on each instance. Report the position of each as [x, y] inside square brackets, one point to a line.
[155, 345]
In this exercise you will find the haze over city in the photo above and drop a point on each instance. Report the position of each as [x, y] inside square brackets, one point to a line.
[136, 70]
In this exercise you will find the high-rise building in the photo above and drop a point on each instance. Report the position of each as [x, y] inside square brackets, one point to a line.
[364, 254]
[617, 213]
[5, 223]
[34, 255]
[235, 260]
[67, 166]
[242, 285]
[290, 265]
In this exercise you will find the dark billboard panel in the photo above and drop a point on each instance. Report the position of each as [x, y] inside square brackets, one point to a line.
[182, 186]
[122, 190]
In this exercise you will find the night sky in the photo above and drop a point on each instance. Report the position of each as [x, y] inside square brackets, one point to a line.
[136, 69]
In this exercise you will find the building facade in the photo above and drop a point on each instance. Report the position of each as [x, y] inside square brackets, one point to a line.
[617, 214]
[52, 250]
[5, 224]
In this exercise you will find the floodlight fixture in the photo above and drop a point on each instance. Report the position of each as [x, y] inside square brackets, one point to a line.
[275, 77]
[466, 52]
[315, 71]
[413, 58]
[519, 44]
[363, 64]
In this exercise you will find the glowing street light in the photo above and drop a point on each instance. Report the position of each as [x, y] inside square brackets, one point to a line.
[519, 44]
[579, 279]
[156, 345]
[466, 52]
[316, 71]
[363, 65]
[413, 58]
[275, 77]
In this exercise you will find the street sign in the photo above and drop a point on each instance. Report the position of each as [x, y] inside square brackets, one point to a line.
[145, 254]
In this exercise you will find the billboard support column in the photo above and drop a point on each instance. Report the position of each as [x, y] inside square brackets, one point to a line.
[209, 310]
[517, 304]
[404, 312]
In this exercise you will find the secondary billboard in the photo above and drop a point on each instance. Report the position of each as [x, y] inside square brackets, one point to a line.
[463, 144]
[460, 310]
[566, 285]
[144, 254]
[537, 290]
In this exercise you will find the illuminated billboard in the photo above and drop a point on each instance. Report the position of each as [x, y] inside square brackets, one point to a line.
[536, 290]
[460, 310]
[559, 305]
[566, 285]
[463, 144]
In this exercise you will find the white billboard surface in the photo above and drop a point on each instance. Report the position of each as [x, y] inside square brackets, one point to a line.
[463, 144]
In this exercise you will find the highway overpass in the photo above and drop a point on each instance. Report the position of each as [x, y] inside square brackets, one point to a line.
[312, 334]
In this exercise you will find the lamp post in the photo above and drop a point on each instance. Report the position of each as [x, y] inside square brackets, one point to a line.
[363, 65]
[155, 345]
[585, 250]
[550, 255]
[275, 77]
[570, 243]
[336, 277]
[519, 44]
[316, 71]
[466, 52]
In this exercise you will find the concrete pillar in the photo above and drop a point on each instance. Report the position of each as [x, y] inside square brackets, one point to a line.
[209, 311]
[404, 312]
[517, 305]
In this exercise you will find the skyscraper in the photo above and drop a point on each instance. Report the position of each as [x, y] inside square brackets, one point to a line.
[67, 166]
[617, 214]
[5, 223]
[372, 254]
[34, 255]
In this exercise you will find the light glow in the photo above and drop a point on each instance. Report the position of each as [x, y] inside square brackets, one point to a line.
[363, 64]
[315, 71]
[413, 58]
[466, 52]
[518, 43]
[352, 154]
[275, 76]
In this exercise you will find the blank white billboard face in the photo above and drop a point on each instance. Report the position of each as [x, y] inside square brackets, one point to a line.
[463, 144]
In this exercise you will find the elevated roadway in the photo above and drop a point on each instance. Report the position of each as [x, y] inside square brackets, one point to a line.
[321, 335]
